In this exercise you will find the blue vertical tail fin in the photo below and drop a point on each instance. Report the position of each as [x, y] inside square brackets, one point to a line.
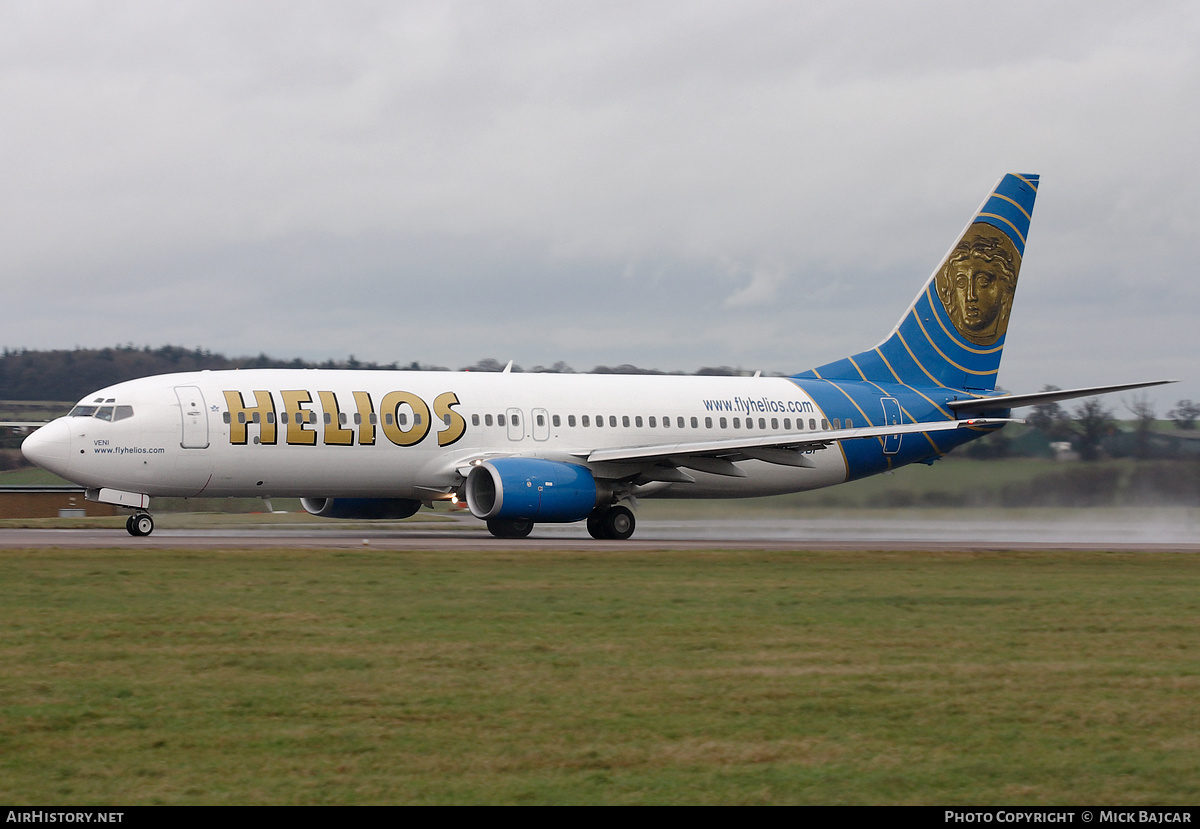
[953, 333]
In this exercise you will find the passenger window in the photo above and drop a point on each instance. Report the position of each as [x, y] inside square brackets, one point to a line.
[653, 422]
[328, 418]
[555, 421]
[516, 421]
[283, 418]
[256, 418]
[270, 416]
[837, 423]
[625, 421]
[474, 420]
[225, 416]
[774, 423]
[708, 423]
[849, 423]
[749, 423]
[812, 424]
[599, 420]
[762, 423]
[387, 419]
[724, 423]
[341, 418]
[637, 421]
[358, 419]
[500, 420]
[487, 420]
[402, 417]
[737, 423]
[571, 421]
[541, 420]
[612, 421]
[787, 424]
[241, 417]
[446, 419]
[695, 423]
[679, 422]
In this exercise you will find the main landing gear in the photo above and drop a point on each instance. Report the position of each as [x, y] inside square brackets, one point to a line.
[140, 523]
[615, 523]
[510, 527]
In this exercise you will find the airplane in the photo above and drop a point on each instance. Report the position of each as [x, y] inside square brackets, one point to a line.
[523, 449]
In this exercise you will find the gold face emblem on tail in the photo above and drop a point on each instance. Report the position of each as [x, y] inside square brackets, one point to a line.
[977, 282]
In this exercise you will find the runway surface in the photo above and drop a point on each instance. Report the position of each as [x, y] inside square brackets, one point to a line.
[782, 534]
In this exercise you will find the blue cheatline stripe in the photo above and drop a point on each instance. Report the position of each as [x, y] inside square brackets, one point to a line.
[926, 350]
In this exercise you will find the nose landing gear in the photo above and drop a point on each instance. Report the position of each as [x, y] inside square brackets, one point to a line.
[139, 524]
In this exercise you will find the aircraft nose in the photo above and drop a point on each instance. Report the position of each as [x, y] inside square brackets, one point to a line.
[50, 446]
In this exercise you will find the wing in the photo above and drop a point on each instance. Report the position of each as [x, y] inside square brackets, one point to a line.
[718, 456]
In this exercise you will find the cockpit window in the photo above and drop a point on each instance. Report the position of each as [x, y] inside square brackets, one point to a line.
[110, 413]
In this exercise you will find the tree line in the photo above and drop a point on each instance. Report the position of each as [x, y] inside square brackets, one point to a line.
[1093, 431]
[67, 375]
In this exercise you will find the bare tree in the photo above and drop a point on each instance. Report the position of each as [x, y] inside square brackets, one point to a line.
[1092, 424]
[1184, 414]
[1051, 419]
[1143, 419]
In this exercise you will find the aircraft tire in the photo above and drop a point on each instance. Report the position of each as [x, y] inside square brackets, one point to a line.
[595, 525]
[618, 523]
[510, 527]
[141, 524]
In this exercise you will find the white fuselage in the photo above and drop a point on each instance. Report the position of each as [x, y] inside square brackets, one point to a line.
[379, 434]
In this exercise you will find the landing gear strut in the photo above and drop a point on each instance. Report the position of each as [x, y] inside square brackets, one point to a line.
[510, 527]
[140, 523]
[615, 523]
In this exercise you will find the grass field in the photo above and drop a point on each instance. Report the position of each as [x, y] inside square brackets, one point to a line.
[741, 676]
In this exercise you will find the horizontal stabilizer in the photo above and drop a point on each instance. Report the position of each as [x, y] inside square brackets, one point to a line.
[1015, 401]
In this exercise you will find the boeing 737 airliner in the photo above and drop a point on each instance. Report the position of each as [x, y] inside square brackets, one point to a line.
[529, 448]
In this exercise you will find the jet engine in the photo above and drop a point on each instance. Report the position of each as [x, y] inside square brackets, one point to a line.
[533, 489]
[360, 508]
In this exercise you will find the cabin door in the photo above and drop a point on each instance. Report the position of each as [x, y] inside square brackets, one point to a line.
[891, 417]
[195, 417]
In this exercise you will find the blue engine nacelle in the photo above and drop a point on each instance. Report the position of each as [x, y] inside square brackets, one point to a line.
[533, 489]
[360, 508]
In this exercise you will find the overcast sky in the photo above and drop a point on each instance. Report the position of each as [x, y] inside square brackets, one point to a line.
[675, 185]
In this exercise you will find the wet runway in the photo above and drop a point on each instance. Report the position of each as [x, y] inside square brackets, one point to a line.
[1181, 535]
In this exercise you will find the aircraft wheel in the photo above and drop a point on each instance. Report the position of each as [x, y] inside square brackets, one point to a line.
[595, 525]
[510, 527]
[618, 523]
[140, 524]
